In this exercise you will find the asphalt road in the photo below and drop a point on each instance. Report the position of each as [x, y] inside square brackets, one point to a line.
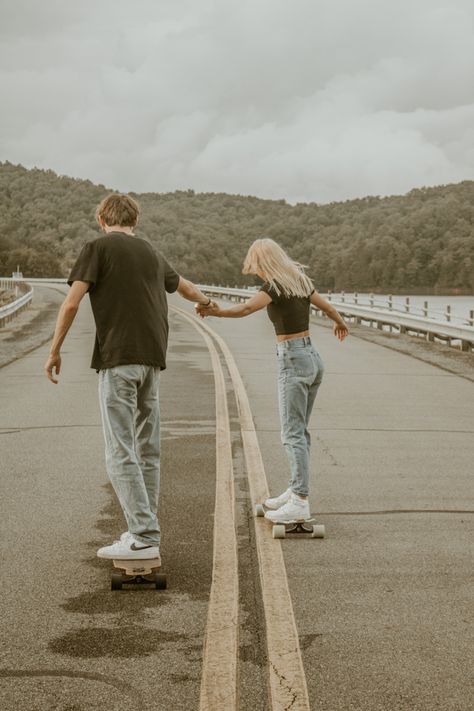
[68, 643]
[33, 326]
[383, 605]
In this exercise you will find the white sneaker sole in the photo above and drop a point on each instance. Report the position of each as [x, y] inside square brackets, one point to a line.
[288, 520]
[144, 554]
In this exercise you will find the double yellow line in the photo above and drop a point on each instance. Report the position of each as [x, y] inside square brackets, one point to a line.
[286, 677]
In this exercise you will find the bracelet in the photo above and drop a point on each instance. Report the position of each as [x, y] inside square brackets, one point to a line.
[208, 303]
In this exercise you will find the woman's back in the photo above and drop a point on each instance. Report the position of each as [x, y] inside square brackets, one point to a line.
[289, 314]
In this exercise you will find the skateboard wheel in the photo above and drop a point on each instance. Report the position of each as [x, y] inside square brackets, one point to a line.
[116, 581]
[318, 531]
[160, 581]
[279, 531]
[259, 510]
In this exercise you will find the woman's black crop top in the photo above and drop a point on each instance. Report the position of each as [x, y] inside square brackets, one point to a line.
[289, 314]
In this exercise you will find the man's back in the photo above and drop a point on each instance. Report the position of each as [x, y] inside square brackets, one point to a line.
[129, 281]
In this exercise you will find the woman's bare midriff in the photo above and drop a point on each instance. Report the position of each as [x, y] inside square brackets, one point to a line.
[289, 336]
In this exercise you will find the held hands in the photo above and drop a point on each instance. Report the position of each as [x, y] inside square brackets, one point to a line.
[211, 309]
[340, 330]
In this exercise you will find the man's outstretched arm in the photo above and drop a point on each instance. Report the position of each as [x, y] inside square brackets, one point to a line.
[189, 291]
[66, 316]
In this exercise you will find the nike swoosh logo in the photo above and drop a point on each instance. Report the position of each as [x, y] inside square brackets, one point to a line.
[134, 547]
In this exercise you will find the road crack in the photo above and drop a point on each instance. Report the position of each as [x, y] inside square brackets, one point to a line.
[284, 683]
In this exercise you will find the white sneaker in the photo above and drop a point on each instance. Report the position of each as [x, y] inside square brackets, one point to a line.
[295, 509]
[278, 501]
[128, 548]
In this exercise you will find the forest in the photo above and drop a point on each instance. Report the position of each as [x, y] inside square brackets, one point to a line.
[421, 242]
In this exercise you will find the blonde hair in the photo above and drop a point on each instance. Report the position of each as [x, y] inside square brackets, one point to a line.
[118, 209]
[267, 259]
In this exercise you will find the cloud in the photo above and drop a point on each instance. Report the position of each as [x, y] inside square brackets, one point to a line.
[308, 100]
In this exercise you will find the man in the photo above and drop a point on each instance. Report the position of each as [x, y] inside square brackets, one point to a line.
[127, 281]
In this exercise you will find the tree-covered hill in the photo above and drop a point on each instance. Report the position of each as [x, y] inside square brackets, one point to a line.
[422, 241]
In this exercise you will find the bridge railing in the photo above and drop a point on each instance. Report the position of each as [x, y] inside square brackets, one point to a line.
[13, 308]
[406, 306]
[381, 316]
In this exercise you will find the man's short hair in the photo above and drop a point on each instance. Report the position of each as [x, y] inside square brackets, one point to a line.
[117, 209]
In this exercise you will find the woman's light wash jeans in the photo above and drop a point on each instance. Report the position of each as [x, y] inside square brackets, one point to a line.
[129, 405]
[300, 375]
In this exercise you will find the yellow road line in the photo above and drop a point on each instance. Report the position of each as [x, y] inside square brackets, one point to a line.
[219, 679]
[287, 680]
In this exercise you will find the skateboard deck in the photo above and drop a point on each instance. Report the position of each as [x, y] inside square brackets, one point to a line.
[138, 571]
[308, 526]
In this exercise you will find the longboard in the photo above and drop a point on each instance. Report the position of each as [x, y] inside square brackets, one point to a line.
[139, 572]
[307, 526]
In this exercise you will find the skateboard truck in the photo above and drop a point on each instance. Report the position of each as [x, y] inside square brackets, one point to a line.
[138, 572]
[308, 526]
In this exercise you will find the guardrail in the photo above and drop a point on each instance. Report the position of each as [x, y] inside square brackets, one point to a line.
[36, 280]
[373, 314]
[405, 307]
[13, 308]
[459, 335]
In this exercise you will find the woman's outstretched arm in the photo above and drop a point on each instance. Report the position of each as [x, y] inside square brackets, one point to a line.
[340, 328]
[255, 303]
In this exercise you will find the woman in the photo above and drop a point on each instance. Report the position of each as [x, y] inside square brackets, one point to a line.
[287, 293]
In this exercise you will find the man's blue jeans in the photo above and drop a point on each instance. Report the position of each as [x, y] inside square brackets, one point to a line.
[129, 405]
[300, 375]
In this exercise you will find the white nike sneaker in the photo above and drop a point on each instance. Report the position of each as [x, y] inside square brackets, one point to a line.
[128, 549]
[295, 509]
[277, 501]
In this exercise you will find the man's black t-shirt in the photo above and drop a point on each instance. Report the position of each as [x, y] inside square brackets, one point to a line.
[128, 285]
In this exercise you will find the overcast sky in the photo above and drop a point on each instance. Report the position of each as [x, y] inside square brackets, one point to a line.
[307, 100]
